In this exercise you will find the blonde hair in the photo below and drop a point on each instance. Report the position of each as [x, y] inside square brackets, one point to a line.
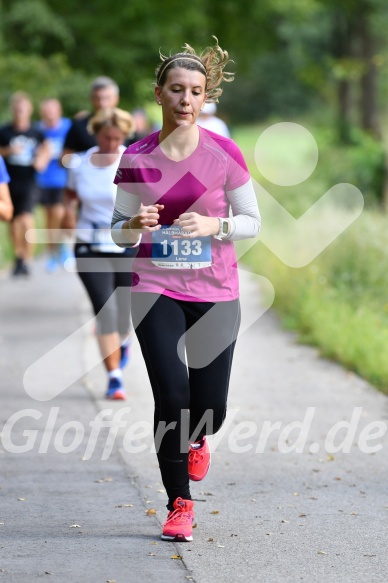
[211, 62]
[112, 118]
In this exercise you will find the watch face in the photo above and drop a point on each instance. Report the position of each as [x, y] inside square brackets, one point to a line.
[225, 227]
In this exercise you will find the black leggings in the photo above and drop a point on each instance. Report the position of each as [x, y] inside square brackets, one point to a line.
[107, 278]
[191, 397]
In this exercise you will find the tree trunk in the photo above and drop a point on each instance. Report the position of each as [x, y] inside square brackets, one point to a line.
[344, 110]
[368, 81]
[342, 49]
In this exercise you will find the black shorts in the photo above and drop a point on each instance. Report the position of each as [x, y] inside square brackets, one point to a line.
[22, 196]
[51, 196]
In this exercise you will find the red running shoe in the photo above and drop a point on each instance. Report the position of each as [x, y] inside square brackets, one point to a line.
[199, 460]
[179, 524]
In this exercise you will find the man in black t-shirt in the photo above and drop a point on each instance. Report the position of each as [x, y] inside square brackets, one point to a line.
[24, 150]
[104, 94]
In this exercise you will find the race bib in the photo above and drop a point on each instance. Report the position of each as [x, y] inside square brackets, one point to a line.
[102, 240]
[172, 251]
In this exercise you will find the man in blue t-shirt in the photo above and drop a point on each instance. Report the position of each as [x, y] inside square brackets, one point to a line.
[52, 180]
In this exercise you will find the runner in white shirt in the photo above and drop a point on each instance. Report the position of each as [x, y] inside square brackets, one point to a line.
[207, 119]
[103, 267]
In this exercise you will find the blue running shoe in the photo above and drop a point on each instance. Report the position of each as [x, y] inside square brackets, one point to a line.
[115, 390]
[125, 349]
[66, 257]
[52, 265]
[64, 253]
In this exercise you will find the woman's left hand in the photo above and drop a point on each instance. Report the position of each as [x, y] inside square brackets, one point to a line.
[195, 225]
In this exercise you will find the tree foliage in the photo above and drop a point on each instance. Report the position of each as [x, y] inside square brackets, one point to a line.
[34, 25]
[34, 42]
[288, 57]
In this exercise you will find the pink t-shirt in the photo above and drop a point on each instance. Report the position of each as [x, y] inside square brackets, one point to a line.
[201, 269]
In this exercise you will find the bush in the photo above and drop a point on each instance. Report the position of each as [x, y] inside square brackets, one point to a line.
[339, 301]
[361, 163]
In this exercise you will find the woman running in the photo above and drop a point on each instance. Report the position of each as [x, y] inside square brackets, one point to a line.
[104, 268]
[176, 189]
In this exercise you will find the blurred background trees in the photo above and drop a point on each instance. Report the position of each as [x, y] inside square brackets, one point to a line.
[325, 59]
[289, 57]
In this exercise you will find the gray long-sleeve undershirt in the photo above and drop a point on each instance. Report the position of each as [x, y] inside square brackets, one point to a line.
[244, 222]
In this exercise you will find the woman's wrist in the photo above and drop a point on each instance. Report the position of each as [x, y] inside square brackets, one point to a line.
[223, 228]
[131, 235]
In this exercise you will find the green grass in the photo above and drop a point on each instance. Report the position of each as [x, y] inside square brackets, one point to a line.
[338, 302]
[6, 252]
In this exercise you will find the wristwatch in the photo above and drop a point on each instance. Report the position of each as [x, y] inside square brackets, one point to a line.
[223, 230]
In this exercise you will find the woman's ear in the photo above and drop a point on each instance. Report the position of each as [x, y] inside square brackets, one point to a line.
[157, 95]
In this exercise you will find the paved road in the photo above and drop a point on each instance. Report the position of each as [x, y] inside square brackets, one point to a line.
[78, 503]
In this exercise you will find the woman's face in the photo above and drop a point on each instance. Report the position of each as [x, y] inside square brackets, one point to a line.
[181, 97]
[109, 139]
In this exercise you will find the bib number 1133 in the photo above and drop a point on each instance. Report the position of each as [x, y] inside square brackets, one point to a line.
[183, 247]
[173, 251]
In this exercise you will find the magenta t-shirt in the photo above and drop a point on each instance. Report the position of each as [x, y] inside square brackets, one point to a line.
[200, 269]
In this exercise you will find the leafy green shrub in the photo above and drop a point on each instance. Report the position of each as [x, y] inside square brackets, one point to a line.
[339, 301]
[360, 163]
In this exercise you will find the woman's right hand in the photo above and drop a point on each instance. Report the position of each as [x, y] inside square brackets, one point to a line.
[146, 219]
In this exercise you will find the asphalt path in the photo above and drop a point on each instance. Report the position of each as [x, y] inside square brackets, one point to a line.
[297, 488]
